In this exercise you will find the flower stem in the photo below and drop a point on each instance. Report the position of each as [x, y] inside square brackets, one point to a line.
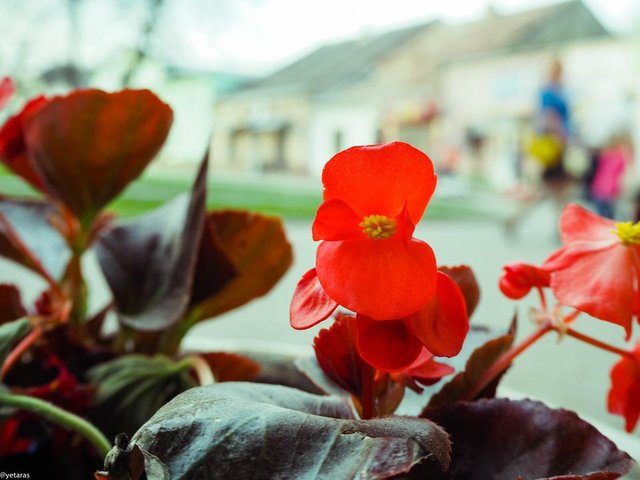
[503, 362]
[597, 343]
[60, 417]
[202, 369]
[31, 259]
[367, 398]
[22, 347]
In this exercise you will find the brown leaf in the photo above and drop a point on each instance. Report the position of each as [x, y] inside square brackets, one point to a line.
[258, 250]
[10, 304]
[506, 439]
[231, 367]
[480, 360]
[88, 145]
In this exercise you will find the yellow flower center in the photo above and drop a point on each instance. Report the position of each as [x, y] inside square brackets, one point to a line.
[378, 227]
[628, 232]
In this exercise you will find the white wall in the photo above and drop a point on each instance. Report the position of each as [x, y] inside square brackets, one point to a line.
[358, 125]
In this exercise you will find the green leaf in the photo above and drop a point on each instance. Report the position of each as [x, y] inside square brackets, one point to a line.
[480, 360]
[247, 430]
[10, 334]
[131, 388]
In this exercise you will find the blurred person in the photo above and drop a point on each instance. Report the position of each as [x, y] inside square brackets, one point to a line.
[547, 148]
[606, 185]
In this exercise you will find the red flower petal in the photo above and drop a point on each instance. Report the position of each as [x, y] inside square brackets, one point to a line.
[519, 278]
[598, 282]
[388, 345]
[578, 224]
[381, 179]
[88, 145]
[13, 149]
[442, 324]
[426, 370]
[382, 279]
[310, 304]
[624, 395]
[335, 220]
[465, 278]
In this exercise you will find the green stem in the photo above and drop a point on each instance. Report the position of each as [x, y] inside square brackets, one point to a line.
[59, 416]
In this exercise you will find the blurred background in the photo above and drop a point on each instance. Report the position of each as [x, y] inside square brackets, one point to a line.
[518, 103]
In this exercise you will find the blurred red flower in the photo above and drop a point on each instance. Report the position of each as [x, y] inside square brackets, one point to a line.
[368, 261]
[624, 396]
[13, 147]
[7, 89]
[519, 278]
[597, 269]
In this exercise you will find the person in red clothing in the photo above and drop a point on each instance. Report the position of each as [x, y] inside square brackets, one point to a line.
[612, 162]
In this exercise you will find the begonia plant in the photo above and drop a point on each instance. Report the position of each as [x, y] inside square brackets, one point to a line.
[71, 377]
[373, 401]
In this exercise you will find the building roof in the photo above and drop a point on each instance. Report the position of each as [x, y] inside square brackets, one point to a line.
[334, 65]
[340, 63]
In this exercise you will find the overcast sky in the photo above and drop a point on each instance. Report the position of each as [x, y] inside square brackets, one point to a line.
[250, 36]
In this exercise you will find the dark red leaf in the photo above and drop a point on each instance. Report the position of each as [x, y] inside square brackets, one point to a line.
[336, 353]
[465, 278]
[506, 439]
[88, 145]
[10, 304]
[245, 430]
[29, 219]
[480, 360]
[231, 367]
[257, 249]
[149, 262]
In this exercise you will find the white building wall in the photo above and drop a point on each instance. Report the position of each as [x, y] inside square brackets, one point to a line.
[357, 126]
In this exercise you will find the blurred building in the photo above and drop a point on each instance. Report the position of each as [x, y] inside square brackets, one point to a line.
[463, 93]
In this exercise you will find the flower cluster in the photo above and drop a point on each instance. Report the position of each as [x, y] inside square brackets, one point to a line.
[596, 271]
[406, 310]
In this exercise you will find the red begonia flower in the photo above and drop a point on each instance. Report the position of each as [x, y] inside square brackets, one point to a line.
[13, 147]
[310, 304]
[465, 278]
[442, 324]
[392, 345]
[519, 278]
[624, 396]
[597, 269]
[368, 261]
[388, 346]
[441, 327]
[7, 89]
[424, 370]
